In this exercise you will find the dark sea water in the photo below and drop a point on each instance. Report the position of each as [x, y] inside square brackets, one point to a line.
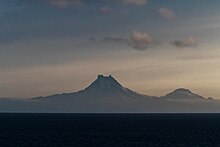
[108, 130]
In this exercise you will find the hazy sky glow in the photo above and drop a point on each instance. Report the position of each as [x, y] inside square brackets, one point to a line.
[151, 46]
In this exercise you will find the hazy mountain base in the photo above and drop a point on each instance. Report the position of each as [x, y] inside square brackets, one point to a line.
[108, 106]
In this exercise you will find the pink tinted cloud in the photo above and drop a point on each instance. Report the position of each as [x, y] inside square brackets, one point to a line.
[189, 42]
[167, 13]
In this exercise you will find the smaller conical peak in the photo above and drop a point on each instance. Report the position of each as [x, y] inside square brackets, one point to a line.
[182, 93]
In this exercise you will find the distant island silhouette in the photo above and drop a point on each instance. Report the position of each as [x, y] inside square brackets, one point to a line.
[106, 94]
[108, 86]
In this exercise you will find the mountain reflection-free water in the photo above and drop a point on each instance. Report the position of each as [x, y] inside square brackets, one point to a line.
[62, 130]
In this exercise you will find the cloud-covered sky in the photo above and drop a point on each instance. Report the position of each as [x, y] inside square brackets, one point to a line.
[151, 46]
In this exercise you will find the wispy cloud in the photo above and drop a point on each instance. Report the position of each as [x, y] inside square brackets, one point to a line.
[92, 38]
[187, 42]
[142, 41]
[105, 10]
[167, 13]
[65, 3]
[197, 57]
[135, 2]
[115, 39]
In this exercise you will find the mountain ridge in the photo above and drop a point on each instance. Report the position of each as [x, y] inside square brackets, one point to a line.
[108, 86]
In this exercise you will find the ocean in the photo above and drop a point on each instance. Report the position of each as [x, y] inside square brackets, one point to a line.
[109, 130]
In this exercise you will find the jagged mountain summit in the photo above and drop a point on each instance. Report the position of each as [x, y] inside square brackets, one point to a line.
[182, 94]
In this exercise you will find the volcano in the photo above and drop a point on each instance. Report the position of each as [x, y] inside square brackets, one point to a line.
[105, 93]
[103, 87]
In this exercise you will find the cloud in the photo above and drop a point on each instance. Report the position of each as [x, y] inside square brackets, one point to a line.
[137, 40]
[115, 39]
[167, 13]
[140, 41]
[65, 3]
[135, 2]
[92, 38]
[197, 57]
[187, 42]
[105, 10]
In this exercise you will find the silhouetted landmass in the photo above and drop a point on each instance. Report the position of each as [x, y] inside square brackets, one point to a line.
[106, 94]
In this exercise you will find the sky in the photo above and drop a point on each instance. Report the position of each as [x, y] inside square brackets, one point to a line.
[150, 46]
